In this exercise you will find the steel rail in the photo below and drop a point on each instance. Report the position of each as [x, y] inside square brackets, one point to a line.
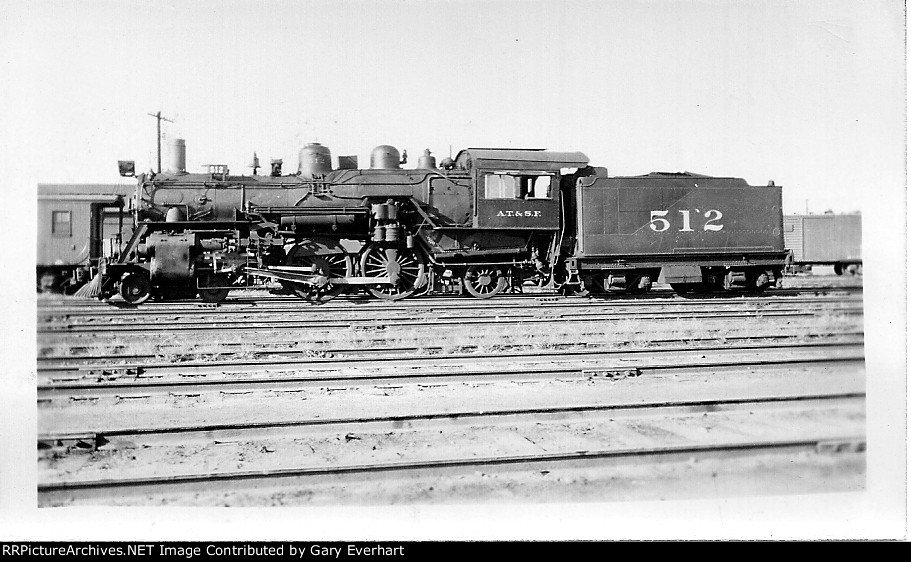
[231, 306]
[287, 428]
[132, 388]
[232, 348]
[51, 492]
[285, 323]
[218, 366]
[456, 303]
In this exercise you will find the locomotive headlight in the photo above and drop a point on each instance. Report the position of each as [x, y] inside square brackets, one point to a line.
[127, 168]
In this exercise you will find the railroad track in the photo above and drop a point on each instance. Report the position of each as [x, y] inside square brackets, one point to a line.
[92, 382]
[87, 307]
[346, 424]
[273, 349]
[527, 441]
[260, 322]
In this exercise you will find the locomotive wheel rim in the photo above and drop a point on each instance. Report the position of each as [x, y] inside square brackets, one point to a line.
[410, 265]
[483, 282]
[135, 289]
[330, 265]
[213, 295]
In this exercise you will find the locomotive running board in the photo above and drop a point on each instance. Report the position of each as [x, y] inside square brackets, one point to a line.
[298, 275]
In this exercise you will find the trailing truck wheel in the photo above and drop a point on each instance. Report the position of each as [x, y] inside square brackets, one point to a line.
[215, 293]
[135, 288]
[328, 265]
[484, 281]
[404, 266]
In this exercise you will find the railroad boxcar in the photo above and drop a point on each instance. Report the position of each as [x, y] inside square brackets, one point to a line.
[692, 231]
[78, 224]
[826, 239]
[488, 221]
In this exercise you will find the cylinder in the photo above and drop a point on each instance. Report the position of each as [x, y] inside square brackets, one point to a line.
[177, 156]
[314, 159]
[385, 157]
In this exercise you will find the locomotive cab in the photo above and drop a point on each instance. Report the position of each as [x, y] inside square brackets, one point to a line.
[518, 189]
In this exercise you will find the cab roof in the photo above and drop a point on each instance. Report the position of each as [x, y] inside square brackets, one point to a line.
[519, 159]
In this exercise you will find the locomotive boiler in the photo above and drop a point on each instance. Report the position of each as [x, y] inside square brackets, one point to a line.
[485, 222]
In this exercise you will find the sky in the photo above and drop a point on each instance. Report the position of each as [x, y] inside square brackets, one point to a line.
[808, 93]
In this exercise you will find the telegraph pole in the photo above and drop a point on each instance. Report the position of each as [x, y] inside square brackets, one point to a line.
[158, 119]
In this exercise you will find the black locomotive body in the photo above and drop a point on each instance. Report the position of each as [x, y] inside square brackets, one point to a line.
[489, 221]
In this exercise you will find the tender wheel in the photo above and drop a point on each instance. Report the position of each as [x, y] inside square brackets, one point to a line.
[405, 267]
[135, 288]
[214, 294]
[329, 265]
[591, 285]
[633, 287]
[758, 282]
[484, 281]
[686, 288]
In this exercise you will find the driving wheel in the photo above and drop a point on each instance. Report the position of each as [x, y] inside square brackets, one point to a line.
[329, 265]
[404, 267]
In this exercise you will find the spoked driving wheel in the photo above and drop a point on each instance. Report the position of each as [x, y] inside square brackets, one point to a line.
[404, 268]
[336, 264]
[484, 281]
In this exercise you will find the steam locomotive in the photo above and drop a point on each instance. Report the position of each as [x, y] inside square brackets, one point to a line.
[488, 221]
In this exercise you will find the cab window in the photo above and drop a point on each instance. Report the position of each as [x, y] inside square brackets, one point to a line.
[61, 224]
[514, 186]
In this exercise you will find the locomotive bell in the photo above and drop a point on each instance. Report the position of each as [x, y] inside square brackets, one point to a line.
[314, 159]
[427, 162]
[385, 157]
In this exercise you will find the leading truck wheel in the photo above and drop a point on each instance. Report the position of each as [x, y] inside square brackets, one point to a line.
[484, 281]
[135, 288]
[403, 267]
[212, 288]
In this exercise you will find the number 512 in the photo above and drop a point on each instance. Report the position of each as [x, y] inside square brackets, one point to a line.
[659, 224]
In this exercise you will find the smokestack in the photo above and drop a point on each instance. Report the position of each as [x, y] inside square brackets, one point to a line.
[177, 156]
